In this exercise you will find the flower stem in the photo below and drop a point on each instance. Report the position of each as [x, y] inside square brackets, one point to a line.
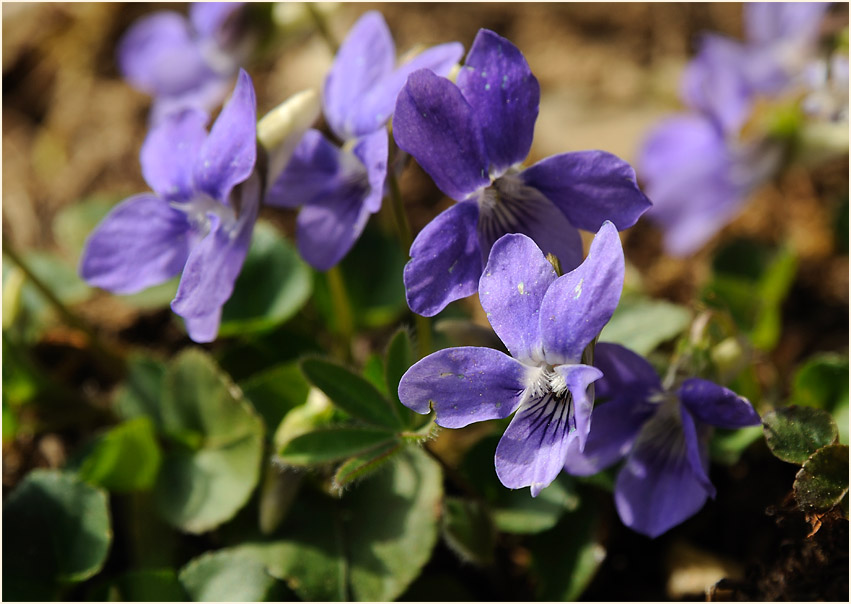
[342, 308]
[322, 26]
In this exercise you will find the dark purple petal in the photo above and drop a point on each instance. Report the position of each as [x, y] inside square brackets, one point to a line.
[498, 84]
[590, 187]
[209, 18]
[770, 22]
[366, 56]
[697, 449]
[713, 404]
[511, 289]
[311, 171]
[580, 303]
[464, 385]
[214, 264]
[142, 242]
[445, 262]
[376, 107]
[434, 123]
[371, 150]
[532, 451]
[227, 156]
[578, 378]
[169, 153]
[624, 374]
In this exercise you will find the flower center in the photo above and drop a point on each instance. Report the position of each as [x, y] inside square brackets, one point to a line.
[201, 209]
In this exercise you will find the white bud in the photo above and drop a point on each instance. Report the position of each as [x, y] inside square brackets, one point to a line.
[280, 130]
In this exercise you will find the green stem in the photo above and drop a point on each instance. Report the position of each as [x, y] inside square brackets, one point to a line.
[342, 308]
[322, 26]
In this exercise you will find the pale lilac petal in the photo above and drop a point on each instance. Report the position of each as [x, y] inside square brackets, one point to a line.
[142, 242]
[511, 289]
[580, 303]
[311, 172]
[204, 328]
[206, 95]
[498, 84]
[445, 260]
[697, 449]
[209, 18]
[590, 187]
[434, 123]
[768, 22]
[214, 264]
[372, 150]
[366, 56]
[533, 449]
[713, 404]
[578, 378]
[169, 152]
[464, 385]
[377, 105]
[227, 156]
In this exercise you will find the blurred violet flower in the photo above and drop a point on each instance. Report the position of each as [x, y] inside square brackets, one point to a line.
[340, 187]
[195, 220]
[471, 138]
[663, 434]
[697, 168]
[184, 63]
[546, 322]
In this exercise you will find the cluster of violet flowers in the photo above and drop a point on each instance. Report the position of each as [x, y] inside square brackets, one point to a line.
[509, 236]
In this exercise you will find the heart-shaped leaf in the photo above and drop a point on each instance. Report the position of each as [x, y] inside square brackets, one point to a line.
[794, 433]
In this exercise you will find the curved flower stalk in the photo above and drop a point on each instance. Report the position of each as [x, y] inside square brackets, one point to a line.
[199, 218]
[663, 434]
[339, 187]
[697, 166]
[546, 322]
[470, 138]
[184, 63]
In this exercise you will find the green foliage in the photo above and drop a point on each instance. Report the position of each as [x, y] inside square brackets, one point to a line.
[56, 530]
[822, 482]
[226, 576]
[794, 433]
[365, 463]
[822, 382]
[148, 586]
[641, 324]
[276, 391]
[332, 444]
[127, 458]
[468, 529]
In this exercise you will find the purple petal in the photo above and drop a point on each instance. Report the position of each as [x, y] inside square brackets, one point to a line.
[697, 449]
[169, 152]
[314, 165]
[464, 385]
[434, 123]
[580, 303]
[209, 18]
[204, 96]
[713, 404]
[770, 22]
[366, 56]
[498, 84]
[624, 373]
[511, 289]
[590, 187]
[372, 150]
[213, 266]
[227, 156]
[578, 378]
[445, 262]
[377, 105]
[142, 242]
[532, 451]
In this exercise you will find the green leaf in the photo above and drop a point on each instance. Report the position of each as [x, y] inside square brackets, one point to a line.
[822, 382]
[400, 357]
[278, 492]
[822, 482]
[468, 530]
[794, 433]
[276, 391]
[56, 529]
[215, 464]
[774, 285]
[150, 586]
[331, 444]
[373, 372]
[273, 285]
[727, 446]
[127, 458]
[351, 393]
[642, 324]
[365, 463]
[226, 576]
[141, 393]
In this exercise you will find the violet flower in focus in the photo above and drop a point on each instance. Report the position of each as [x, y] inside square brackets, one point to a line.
[183, 63]
[337, 187]
[662, 434]
[199, 218]
[471, 138]
[546, 322]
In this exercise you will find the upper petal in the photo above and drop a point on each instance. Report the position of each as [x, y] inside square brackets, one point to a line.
[716, 405]
[143, 241]
[577, 379]
[169, 153]
[511, 289]
[372, 150]
[464, 385]
[312, 170]
[209, 18]
[438, 127]
[624, 373]
[227, 156]
[770, 22]
[445, 260]
[498, 84]
[578, 304]
[590, 187]
[366, 56]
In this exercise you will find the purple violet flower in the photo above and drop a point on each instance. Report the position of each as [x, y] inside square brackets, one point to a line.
[470, 138]
[183, 63]
[546, 322]
[340, 187]
[194, 220]
[663, 434]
